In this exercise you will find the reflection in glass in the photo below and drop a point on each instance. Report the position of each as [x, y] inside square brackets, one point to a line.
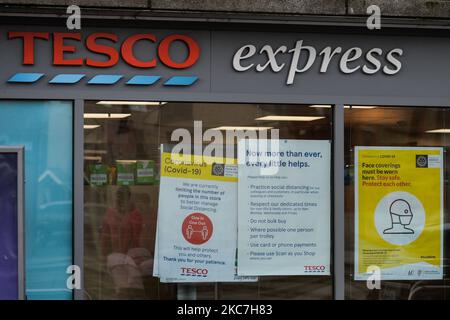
[44, 128]
[393, 126]
[121, 205]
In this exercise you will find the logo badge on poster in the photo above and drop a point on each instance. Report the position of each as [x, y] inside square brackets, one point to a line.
[421, 161]
[197, 228]
[218, 169]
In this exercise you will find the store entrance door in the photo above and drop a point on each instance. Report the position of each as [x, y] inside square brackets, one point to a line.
[11, 224]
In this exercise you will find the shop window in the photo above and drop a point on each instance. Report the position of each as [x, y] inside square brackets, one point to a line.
[127, 172]
[44, 129]
[396, 202]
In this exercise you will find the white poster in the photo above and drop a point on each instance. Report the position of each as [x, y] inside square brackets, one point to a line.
[197, 221]
[284, 208]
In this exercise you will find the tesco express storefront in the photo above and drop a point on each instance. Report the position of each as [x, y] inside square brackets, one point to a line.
[92, 115]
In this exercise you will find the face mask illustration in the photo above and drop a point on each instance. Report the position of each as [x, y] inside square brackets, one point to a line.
[401, 217]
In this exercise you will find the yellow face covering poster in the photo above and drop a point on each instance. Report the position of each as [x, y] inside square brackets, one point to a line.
[399, 212]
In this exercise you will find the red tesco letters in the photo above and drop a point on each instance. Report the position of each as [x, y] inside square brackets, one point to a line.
[315, 268]
[28, 43]
[93, 46]
[194, 271]
[65, 49]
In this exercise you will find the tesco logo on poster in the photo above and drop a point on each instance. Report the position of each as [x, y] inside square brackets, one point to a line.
[194, 272]
[317, 268]
[65, 43]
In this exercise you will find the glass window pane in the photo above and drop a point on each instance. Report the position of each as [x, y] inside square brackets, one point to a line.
[121, 209]
[9, 217]
[44, 128]
[399, 183]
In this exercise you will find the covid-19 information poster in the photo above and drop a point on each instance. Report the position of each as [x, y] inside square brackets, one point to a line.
[197, 220]
[399, 212]
[284, 207]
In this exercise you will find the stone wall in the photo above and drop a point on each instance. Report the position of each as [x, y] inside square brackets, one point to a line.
[393, 8]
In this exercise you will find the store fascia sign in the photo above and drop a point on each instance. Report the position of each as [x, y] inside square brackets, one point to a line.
[302, 57]
[65, 49]
[61, 47]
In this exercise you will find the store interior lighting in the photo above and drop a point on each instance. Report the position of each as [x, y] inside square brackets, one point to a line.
[228, 128]
[93, 158]
[106, 115]
[289, 118]
[324, 106]
[87, 151]
[91, 126]
[438, 131]
[132, 103]
[360, 107]
[126, 161]
[345, 107]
